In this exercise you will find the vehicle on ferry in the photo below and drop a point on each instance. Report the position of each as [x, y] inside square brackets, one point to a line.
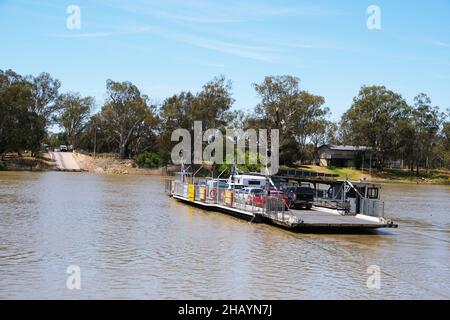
[248, 180]
[261, 198]
[300, 196]
[247, 194]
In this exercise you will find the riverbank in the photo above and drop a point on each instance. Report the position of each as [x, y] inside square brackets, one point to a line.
[112, 165]
[432, 176]
[26, 162]
[99, 165]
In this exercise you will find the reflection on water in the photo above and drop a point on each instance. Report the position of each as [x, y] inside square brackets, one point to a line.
[131, 241]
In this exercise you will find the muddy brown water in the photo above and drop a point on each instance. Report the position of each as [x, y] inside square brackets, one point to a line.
[131, 241]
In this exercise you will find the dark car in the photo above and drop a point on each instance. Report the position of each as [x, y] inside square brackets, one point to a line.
[300, 196]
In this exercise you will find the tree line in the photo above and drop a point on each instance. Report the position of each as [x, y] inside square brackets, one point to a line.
[130, 125]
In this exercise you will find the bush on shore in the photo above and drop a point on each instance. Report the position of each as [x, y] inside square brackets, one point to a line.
[148, 160]
[2, 166]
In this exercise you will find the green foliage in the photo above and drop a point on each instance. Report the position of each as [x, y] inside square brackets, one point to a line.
[149, 160]
[128, 123]
[44, 95]
[248, 166]
[2, 166]
[74, 112]
[298, 115]
[21, 127]
[373, 120]
[210, 106]
[126, 116]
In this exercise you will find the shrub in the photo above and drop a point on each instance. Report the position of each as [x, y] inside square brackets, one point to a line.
[148, 160]
[2, 166]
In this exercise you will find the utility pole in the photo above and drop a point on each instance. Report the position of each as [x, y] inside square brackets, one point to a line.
[95, 139]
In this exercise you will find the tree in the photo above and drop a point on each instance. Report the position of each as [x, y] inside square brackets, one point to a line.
[175, 113]
[125, 112]
[299, 115]
[404, 140]
[373, 121]
[212, 104]
[333, 133]
[20, 127]
[74, 114]
[45, 95]
[426, 122]
[444, 145]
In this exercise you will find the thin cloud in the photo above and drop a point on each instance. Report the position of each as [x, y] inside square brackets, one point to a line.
[215, 12]
[85, 35]
[200, 20]
[439, 44]
[258, 53]
[74, 34]
[244, 51]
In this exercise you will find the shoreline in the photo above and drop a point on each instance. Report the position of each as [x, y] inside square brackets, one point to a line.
[161, 172]
[115, 166]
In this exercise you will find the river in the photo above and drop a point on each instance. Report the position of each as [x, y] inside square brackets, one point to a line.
[131, 241]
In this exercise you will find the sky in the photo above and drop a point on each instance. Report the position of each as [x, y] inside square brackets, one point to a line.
[167, 46]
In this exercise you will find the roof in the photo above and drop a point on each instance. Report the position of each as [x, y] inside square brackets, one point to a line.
[345, 148]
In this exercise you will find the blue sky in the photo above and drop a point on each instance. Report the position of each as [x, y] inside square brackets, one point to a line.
[168, 46]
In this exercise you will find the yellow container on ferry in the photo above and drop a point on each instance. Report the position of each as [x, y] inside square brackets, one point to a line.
[191, 192]
[229, 197]
[202, 194]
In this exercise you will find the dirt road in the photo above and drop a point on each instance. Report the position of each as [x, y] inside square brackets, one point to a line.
[65, 161]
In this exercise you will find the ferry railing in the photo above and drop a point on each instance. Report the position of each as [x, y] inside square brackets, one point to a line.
[322, 199]
[168, 188]
[221, 196]
[197, 192]
[247, 202]
[180, 189]
[275, 209]
[240, 200]
[269, 206]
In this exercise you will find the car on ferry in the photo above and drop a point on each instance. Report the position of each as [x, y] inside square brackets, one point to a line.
[247, 194]
[260, 199]
[300, 196]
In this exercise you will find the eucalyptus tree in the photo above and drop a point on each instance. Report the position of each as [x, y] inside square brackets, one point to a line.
[297, 114]
[373, 120]
[125, 112]
[74, 113]
[45, 92]
[20, 127]
[426, 121]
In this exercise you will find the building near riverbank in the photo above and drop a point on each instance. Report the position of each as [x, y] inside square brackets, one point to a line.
[344, 156]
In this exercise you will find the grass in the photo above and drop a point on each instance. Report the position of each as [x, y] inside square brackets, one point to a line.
[431, 176]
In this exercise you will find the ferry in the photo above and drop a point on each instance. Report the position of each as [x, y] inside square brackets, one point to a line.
[333, 205]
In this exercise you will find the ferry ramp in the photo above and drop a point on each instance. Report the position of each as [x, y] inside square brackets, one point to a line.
[65, 161]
